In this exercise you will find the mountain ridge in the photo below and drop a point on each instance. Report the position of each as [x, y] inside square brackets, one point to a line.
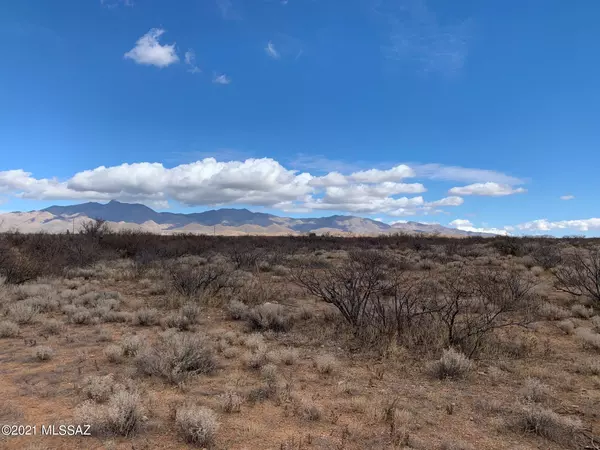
[230, 221]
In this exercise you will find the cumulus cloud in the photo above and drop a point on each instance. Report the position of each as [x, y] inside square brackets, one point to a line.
[271, 51]
[463, 174]
[149, 51]
[221, 79]
[490, 189]
[259, 182]
[546, 225]
[567, 197]
[466, 225]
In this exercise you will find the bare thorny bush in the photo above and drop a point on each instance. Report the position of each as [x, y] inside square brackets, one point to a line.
[579, 274]
[461, 309]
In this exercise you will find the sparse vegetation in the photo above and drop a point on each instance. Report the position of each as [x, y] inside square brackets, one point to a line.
[310, 333]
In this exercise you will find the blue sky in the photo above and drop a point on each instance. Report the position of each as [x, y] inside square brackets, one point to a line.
[461, 113]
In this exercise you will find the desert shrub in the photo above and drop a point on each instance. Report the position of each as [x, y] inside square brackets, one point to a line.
[550, 311]
[326, 364]
[308, 410]
[17, 268]
[596, 323]
[254, 341]
[581, 311]
[589, 340]
[230, 402]
[548, 424]
[534, 391]
[268, 372]
[567, 326]
[195, 281]
[145, 317]
[237, 310]
[197, 424]
[22, 313]
[52, 326]
[175, 357]
[81, 317]
[184, 319]
[100, 388]
[131, 346]
[579, 274]
[451, 365]
[8, 329]
[122, 415]
[288, 356]
[114, 353]
[44, 353]
[268, 316]
[255, 359]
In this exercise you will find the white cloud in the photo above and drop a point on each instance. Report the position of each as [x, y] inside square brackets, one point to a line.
[190, 60]
[466, 225]
[462, 174]
[260, 182]
[271, 51]
[546, 225]
[567, 197]
[490, 189]
[114, 3]
[227, 10]
[221, 79]
[149, 51]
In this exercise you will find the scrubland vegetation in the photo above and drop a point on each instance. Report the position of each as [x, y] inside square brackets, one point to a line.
[315, 342]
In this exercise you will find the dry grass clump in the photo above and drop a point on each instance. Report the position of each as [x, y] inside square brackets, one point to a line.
[452, 365]
[237, 310]
[589, 339]
[550, 311]
[582, 311]
[8, 329]
[52, 326]
[23, 313]
[550, 425]
[145, 317]
[307, 410]
[175, 357]
[230, 402]
[254, 341]
[326, 364]
[268, 316]
[184, 319]
[131, 346]
[596, 323]
[288, 356]
[100, 388]
[255, 359]
[197, 424]
[114, 353]
[534, 391]
[567, 326]
[122, 415]
[44, 353]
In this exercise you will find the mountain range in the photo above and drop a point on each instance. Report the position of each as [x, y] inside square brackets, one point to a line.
[227, 221]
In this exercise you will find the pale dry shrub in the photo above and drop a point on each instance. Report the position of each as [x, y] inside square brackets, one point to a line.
[255, 359]
[185, 318]
[268, 372]
[254, 341]
[582, 311]
[104, 335]
[567, 326]
[230, 352]
[548, 424]
[456, 446]
[230, 402]
[197, 424]
[268, 316]
[237, 310]
[131, 346]
[451, 365]
[100, 388]
[81, 317]
[550, 311]
[114, 353]
[326, 364]
[44, 353]
[596, 323]
[8, 329]
[145, 317]
[176, 357]
[589, 340]
[23, 313]
[534, 391]
[123, 415]
[308, 410]
[52, 326]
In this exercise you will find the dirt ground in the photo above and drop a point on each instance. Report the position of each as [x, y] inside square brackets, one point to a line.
[332, 393]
